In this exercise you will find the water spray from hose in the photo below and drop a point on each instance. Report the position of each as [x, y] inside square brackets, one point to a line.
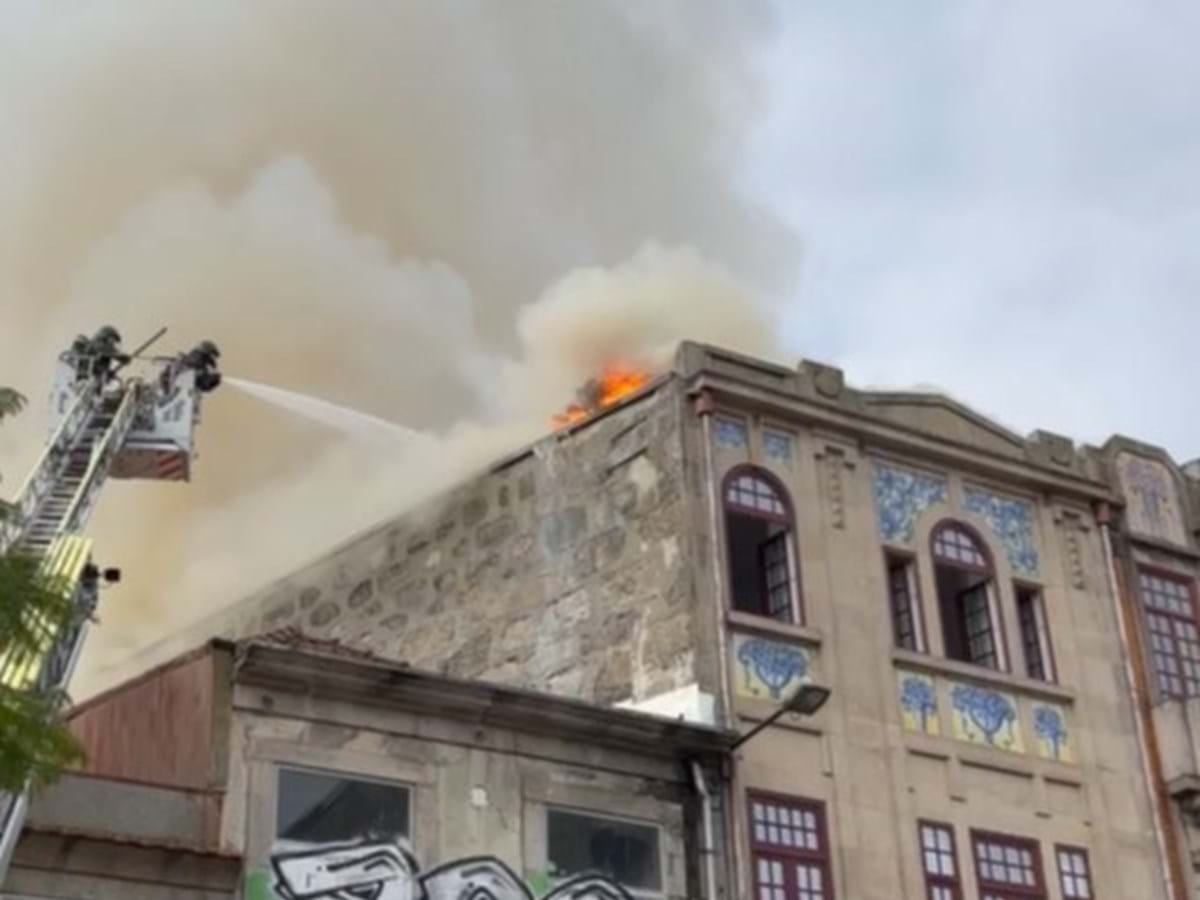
[351, 422]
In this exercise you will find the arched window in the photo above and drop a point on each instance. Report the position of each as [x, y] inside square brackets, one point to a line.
[966, 596]
[758, 529]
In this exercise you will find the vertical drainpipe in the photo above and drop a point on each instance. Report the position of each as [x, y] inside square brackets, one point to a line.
[704, 409]
[1135, 677]
[707, 850]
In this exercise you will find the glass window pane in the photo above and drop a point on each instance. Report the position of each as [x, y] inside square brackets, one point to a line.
[1074, 876]
[956, 544]
[625, 851]
[1010, 863]
[315, 807]
[1174, 633]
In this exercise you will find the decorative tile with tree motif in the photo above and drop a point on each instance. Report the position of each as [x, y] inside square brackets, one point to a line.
[984, 716]
[918, 703]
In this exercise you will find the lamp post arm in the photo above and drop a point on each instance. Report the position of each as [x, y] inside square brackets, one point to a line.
[759, 727]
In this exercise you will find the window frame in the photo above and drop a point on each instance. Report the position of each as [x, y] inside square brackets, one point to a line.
[1045, 640]
[790, 856]
[894, 557]
[1189, 582]
[788, 520]
[587, 813]
[932, 881]
[1040, 890]
[1087, 870]
[280, 766]
[992, 591]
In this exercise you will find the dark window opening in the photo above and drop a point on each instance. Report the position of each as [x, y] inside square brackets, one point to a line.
[789, 849]
[940, 862]
[1008, 868]
[624, 851]
[1174, 635]
[901, 575]
[758, 531]
[314, 807]
[1035, 636]
[963, 577]
[966, 617]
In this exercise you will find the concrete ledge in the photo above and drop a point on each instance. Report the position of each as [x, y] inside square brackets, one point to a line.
[58, 865]
[741, 621]
[124, 810]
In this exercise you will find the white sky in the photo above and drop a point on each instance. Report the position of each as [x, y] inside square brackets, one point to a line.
[1002, 199]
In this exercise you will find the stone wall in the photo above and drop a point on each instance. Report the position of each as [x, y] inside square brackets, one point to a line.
[561, 569]
[476, 791]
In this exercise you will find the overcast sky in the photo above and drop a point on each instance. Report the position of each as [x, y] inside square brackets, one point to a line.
[1000, 199]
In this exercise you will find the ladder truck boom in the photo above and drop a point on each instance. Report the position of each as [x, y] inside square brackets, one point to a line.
[107, 424]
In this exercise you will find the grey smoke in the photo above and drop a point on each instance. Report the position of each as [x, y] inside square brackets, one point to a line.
[443, 214]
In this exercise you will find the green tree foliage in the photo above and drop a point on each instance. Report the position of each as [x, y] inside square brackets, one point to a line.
[34, 745]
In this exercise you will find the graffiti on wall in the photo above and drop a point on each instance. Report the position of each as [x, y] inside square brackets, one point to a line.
[388, 870]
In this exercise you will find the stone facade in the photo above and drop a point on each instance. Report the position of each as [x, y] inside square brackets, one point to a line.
[344, 775]
[599, 564]
[474, 791]
[564, 568]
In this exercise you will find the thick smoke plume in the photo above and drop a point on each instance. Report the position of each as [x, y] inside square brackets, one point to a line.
[445, 214]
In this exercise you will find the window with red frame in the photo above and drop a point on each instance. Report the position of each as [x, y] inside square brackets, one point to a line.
[758, 535]
[1174, 636]
[1074, 873]
[964, 578]
[940, 861]
[789, 849]
[1007, 868]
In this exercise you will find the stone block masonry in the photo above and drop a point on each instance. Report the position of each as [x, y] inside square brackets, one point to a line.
[561, 569]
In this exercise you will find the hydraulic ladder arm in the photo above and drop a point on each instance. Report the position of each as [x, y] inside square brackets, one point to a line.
[136, 427]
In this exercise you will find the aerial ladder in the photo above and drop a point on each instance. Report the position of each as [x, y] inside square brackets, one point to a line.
[113, 416]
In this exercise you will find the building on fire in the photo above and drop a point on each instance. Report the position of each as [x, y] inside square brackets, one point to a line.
[1008, 627]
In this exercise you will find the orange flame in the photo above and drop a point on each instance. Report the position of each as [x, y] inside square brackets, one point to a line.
[613, 384]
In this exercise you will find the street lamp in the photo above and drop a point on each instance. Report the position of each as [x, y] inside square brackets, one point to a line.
[805, 701]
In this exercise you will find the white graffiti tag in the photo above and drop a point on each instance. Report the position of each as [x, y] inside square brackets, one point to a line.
[387, 870]
[361, 871]
[474, 878]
